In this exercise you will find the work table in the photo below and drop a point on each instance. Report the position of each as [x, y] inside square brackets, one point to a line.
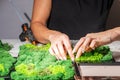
[86, 70]
[114, 46]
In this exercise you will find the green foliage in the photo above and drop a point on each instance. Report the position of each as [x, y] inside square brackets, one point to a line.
[107, 57]
[60, 70]
[100, 54]
[6, 60]
[2, 69]
[36, 63]
[28, 70]
[5, 46]
[1, 78]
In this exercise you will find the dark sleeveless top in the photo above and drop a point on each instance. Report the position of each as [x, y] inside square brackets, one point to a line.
[76, 18]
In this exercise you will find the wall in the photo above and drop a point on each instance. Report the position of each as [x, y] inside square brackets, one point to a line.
[10, 25]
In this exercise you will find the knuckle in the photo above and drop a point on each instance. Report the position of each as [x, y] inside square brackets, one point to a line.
[68, 48]
[65, 36]
[82, 38]
[94, 41]
[88, 38]
[89, 34]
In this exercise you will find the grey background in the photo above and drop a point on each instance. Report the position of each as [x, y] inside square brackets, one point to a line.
[10, 25]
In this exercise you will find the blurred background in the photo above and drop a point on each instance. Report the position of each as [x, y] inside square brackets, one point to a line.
[10, 24]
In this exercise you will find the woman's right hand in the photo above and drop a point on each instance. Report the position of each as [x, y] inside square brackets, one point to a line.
[60, 46]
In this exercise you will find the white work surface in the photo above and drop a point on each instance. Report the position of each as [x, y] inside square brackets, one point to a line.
[16, 43]
[90, 70]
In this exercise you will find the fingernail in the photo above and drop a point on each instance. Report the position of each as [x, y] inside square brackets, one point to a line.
[83, 50]
[65, 58]
[61, 58]
[76, 56]
[93, 48]
[73, 51]
[72, 58]
[57, 58]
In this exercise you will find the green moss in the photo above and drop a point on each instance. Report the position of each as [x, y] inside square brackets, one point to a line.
[36, 63]
[100, 54]
[6, 60]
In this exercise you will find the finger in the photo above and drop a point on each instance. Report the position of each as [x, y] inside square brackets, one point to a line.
[55, 48]
[53, 53]
[86, 44]
[79, 53]
[68, 48]
[79, 43]
[61, 50]
[88, 49]
[93, 44]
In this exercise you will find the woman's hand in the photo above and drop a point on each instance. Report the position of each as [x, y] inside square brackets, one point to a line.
[93, 40]
[60, 46]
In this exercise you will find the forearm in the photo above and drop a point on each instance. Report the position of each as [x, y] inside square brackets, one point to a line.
[114, 34]
[40, 15]
[42, 33]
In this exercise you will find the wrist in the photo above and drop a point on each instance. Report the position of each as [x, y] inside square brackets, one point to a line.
[52, 34]
[109, 36]
[113, 35]
[117, 32]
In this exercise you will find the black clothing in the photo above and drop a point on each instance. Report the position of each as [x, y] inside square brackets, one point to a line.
[76, 18]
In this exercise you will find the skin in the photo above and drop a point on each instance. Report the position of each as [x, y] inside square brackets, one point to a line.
[93, 40]
[60, 42]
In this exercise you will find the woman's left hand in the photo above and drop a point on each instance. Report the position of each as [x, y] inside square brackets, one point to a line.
[91, 41]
